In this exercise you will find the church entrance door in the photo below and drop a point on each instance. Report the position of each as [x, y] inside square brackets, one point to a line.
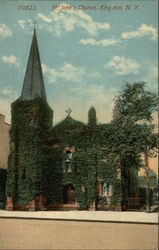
[69, 194]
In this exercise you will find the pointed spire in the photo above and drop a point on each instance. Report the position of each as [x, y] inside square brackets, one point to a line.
[33, 85]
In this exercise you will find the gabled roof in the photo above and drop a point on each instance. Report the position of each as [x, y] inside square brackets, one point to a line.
[33, 85]
[68, 131]
[68, 122]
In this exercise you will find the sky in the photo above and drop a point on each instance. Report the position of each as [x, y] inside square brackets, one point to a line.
[88, 50]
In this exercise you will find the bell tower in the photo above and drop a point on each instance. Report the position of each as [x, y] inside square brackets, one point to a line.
[30, 125]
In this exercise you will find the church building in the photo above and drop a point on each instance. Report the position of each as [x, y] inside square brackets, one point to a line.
[57, 167]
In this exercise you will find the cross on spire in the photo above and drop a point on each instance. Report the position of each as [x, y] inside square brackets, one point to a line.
[34, 24]
[68, 111]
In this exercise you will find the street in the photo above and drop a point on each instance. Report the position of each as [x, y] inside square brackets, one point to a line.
[55, 234]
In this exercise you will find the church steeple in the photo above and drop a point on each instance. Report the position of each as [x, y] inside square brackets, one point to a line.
[33, 85]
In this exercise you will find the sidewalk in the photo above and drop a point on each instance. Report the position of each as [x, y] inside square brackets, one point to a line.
[94, 216]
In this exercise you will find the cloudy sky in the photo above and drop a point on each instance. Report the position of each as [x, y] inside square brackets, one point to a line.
[88, 50]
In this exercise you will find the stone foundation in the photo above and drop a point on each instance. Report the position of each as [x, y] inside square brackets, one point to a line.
[39, 204]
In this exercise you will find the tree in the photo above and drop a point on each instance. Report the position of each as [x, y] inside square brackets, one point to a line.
[135, 103]
[132, 130]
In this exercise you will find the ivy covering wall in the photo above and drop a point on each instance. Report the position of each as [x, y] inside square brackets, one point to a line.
[36, 165]
[88, 165]
[53, 177]
[31, 124]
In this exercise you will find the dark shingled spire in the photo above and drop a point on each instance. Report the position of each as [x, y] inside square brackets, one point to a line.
[33, 85]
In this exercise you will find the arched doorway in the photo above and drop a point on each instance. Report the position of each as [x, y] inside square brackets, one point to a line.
[68, 194]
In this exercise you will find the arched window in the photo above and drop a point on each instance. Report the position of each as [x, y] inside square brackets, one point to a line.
[68, 161]
[106, 188]
[68, 153]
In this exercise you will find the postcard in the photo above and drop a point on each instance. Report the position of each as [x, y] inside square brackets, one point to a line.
[78, 123]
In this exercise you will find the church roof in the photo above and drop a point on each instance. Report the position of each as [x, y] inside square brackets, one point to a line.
[69, 122]
[67, 130]
[33, 85]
